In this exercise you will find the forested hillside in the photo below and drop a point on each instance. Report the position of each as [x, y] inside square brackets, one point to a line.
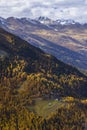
[27, 73]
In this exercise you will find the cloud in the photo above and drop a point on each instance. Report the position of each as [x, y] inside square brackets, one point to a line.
[73, 9]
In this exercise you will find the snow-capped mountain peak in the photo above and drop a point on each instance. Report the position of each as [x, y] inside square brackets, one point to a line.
[44, 20]
[65, 22]
[48, 21]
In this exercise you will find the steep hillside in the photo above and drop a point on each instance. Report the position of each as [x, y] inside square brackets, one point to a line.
[32, 85]
[65, 39]
[18, 58]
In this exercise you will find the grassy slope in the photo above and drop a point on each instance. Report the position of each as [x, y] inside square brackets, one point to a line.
[45, 107]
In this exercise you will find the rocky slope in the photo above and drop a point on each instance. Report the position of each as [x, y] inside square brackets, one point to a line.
[64, 39]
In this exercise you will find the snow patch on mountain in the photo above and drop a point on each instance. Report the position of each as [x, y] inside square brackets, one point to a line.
[48, 21]
[2, 20]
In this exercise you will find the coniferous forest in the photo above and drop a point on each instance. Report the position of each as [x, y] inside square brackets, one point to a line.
[37, 91]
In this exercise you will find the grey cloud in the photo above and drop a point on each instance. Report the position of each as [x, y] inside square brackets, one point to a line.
[73, 9]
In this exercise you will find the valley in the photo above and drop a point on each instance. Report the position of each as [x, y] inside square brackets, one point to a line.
[38, 91]
[43, 64]
[67, 42]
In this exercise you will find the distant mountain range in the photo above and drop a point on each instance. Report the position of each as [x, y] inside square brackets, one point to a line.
[43, 20]
[65, 39]
[48, 21]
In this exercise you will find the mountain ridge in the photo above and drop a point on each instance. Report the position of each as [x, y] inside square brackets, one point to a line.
[71, 38]
[49, 20]
[34, 60]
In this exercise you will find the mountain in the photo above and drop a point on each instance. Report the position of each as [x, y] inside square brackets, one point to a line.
[17, 57]
[65, 39]
[48, 21]
[37, 91]
[2, 20]
[65, 22]
[45, 20]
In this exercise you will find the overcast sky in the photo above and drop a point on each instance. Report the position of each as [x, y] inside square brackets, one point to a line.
[55, 9]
